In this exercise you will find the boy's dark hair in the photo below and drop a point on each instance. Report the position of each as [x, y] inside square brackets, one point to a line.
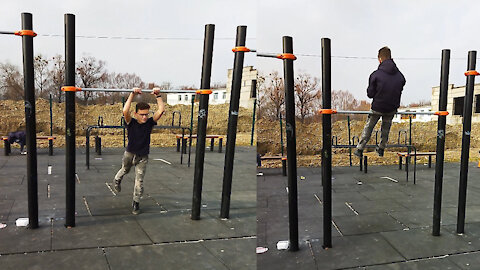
[384, 53]
[142, 106]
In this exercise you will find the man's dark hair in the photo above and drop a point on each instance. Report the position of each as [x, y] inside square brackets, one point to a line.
[385, 53]
[142, 106]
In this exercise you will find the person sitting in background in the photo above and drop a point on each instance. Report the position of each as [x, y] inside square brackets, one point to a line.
[19, 137]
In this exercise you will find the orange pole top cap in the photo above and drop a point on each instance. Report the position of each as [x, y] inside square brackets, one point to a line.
[441, 113]
[471, 72]
[51, 138]
[5, 139]
[204, 92]
[26, 33]
[71, 89]
[327, 111]
[240, 49]
[289, 56]
[284, 158]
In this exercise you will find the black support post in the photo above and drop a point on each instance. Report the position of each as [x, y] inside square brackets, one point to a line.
[254, 92]
[467, 127]
[327, 143]
[232, 122]
[442, 120]
[202, 121]
[291, 143]
[70, 119]
[30, 122]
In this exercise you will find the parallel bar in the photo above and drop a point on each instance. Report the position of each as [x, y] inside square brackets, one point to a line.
[327, 143]
[202, 121]
[442, 120]
[29, 86]
[70, 119]
[369, 112]
[467, 127]
[232, 123]
[143, 90]
[267, 55]
[291, 144]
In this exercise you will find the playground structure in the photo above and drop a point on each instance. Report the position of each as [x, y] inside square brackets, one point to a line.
[70, 89]
[326, 153]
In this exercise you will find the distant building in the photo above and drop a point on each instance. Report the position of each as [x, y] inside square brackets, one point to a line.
[218, 96]
[249, 78]
[221, 96]
[416, 117]
[455, 100]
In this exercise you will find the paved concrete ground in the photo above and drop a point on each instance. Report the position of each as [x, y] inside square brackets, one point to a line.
[108, 236]
[380, 223]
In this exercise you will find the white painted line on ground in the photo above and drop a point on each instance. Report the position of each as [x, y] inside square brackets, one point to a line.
[318, 199]
[389, 178]
[336, 227]
[78, 179]
[163, 160]
[351, 208]
[86, 206]
[108, 186]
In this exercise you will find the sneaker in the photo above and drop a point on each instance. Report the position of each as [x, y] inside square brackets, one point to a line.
[358, 153]
[23, 153]
[116, 186]
[136, 208]
[380, 151]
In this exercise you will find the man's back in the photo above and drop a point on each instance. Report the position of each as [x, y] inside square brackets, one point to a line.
[385, 87]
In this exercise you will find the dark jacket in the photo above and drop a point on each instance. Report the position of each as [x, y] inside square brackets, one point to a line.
[385, 86]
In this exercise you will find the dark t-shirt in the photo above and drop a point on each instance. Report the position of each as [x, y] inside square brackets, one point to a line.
[139, 136]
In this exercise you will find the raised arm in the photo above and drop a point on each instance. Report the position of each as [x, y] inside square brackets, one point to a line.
[128, 103]
[160, 104]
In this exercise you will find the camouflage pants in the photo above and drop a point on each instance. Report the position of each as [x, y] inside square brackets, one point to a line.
[371, 122]
[140, 163]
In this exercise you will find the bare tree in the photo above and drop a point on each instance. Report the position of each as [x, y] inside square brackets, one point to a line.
[119, 81]
[42, 78]
[11, 82]
[344, 100]
[271, 95]
[307, 90]
[57, 75]
[90, 72]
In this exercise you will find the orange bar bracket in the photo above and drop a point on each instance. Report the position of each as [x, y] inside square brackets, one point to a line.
[240, 49]
[71, 89]
[327, 111]
[471, 72]
[204, 92]
[26, 33]
[441, 113]
[290, 56]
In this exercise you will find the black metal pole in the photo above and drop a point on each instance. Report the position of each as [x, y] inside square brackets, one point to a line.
[191, 130]
[291, 144]
[51, 114]
[31, 140]
[281, 133]
[467, 127]
[123, 123]
[202, 121]
[442, 121]
[70, 119]
[232, 122]
[349, 140]
[327, 143]
[254, 91]
[87, 148]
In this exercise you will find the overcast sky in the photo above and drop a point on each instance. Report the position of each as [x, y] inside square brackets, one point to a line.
[358, 28]
[173, 60]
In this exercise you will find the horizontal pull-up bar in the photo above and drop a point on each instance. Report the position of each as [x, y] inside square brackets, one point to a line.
[330, 111]
[74, 89]
[20, 33]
